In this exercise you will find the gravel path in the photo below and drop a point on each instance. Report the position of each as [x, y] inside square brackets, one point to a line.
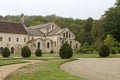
[94, 68]
[8, 69]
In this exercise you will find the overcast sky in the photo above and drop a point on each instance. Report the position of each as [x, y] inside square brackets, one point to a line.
[81, 9]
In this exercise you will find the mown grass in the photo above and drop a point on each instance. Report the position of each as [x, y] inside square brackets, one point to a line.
[48, 70]
[4, 62]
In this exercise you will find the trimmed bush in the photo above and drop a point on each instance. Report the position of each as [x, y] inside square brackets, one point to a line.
[66, 51]
[26, 52]
[113, 51]
[104, 51]
[38, 52]
[6, 52]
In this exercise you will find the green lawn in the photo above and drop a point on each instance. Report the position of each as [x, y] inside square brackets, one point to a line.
[4, 62]
[48, 70]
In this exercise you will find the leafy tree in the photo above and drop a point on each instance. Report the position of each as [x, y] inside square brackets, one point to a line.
[110, 41]
[88, 25]
[112, 21]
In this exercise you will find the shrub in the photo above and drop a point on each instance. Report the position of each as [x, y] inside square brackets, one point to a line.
[51, 51]
[104, 51]
[5, 52]
[38, 52]
[66, 51]
[26, 52]
[113, 51]
[118, 50]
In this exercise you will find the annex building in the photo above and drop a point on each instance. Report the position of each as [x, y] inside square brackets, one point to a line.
[47, 37]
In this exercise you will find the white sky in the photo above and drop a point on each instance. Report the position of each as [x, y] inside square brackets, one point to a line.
[81, 9]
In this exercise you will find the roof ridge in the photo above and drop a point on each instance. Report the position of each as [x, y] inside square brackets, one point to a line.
[10, 21]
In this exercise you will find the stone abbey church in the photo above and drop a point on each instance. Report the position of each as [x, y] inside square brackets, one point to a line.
[47, 37]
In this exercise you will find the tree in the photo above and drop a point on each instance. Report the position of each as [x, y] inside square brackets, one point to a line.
[66, 51]
[110, 41]
[88, 25]
[87, 28]
[94, 30]
[112, 21]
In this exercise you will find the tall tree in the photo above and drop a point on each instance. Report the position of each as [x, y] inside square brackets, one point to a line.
[87, 28]
[112, 21]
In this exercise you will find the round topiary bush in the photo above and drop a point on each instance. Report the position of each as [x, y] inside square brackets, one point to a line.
[26, 52]
[104, 51]
[38, 52]
[113, 51]
[66, 51]
[5, 52]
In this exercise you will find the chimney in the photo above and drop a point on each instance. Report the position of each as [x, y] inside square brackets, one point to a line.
[22, 18]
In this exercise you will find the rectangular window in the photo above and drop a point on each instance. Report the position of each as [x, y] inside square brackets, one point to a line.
[24, 39]
[17, 39]
[9, 39]
[1, 38]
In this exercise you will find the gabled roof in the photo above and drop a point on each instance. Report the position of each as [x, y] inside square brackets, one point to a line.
[32, 41]
[53, 32]
[41, 26]
[10, 27]
[57, 31]
[35, 32]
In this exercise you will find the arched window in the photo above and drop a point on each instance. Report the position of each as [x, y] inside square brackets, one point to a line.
[17, 39]
[48, 44]
[67, 34]
[38, 44]
[55, 44]
[12, 49]
[76, 46]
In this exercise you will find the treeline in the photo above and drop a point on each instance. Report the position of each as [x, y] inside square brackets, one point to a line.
[90, 31]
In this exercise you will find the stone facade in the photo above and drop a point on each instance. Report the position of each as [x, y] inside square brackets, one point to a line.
[47, 37]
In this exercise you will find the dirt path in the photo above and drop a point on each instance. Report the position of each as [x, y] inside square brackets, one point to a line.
[8, 69]
[94, 68]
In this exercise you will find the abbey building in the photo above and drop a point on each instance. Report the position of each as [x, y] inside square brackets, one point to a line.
[47, 37]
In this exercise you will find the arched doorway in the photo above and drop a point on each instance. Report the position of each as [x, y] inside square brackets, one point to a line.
[38, 44]
[1, 48]
[48, 44]
[12, 49]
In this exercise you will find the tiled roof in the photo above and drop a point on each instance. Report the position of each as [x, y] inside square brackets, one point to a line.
[35, 32]
[10, 27]
[40, 26]
[53, 32]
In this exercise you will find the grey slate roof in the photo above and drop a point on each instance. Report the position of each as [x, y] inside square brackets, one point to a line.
[35, 32]
[10, 27]
[40, 26]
